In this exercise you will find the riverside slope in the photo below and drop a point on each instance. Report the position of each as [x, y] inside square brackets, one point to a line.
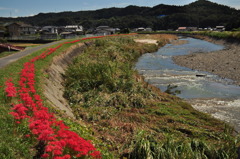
[53, 84]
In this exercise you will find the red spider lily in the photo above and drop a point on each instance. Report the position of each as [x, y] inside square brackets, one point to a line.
[10, 89]
[43, 125]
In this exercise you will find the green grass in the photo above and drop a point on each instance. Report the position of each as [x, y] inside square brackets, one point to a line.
[7, 53]
[13, 143]
[222, 35]
[145, 146]
[106, 76]
[106, 93]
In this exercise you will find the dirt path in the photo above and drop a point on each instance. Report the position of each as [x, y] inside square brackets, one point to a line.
[225, 63]
[14, 57]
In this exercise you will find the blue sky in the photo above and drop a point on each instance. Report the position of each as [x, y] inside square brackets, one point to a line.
[16, 8]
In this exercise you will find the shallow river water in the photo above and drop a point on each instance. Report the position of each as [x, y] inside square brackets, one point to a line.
[206, 92]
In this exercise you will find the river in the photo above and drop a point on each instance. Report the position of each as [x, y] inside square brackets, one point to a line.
[205, 91]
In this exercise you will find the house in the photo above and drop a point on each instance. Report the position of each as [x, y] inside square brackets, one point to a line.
[50, 29]
[27, 29]
[14, 29]
[73, 28]
[18, 29]
[104, 30]
[187, 29]
[141, 29]
[192, 28]
[182, 29]
[220, 28]
[68, 35]
[148, 29]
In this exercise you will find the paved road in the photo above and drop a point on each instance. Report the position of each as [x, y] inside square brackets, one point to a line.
[11, 58]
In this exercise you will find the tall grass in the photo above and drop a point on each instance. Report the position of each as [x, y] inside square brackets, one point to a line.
[171, 148]
[106, 77]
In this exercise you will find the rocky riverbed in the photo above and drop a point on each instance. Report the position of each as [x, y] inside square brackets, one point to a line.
[225, 63]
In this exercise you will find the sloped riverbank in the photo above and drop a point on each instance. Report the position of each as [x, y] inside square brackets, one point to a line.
[53, 85]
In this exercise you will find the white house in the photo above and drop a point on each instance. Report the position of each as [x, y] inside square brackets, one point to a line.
[73, 28]
[220, 28]
[50, 29]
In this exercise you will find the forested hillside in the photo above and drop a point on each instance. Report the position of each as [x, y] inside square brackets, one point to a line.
[201, 13]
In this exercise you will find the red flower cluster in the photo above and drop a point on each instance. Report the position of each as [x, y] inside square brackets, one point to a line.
[60, 142]
[10, 88]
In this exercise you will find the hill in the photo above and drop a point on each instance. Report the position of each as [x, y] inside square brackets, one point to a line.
[201, 13]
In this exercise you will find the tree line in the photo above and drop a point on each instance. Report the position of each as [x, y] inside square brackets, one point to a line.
[201, 13]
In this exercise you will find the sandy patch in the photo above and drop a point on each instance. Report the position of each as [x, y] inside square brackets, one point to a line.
[147, 41]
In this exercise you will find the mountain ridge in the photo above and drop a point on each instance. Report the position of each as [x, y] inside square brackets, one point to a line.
[201, 13]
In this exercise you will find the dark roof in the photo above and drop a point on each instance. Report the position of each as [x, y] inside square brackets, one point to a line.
[19, 23]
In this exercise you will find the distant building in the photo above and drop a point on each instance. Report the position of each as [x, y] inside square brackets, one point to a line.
[18, 29]
[141, 29]
[27, 29]
[192, 28]
[74, 28]
[50, 29]
[182, 29]
[148, 29]
[220, 28]
[187, 29]
[104, 30]
[13, 29]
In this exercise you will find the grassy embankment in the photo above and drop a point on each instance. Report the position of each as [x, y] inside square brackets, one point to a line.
[136, 120]
[14, 143]
[7, 53]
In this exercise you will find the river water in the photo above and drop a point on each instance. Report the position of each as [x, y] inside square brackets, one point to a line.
[205, 91]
